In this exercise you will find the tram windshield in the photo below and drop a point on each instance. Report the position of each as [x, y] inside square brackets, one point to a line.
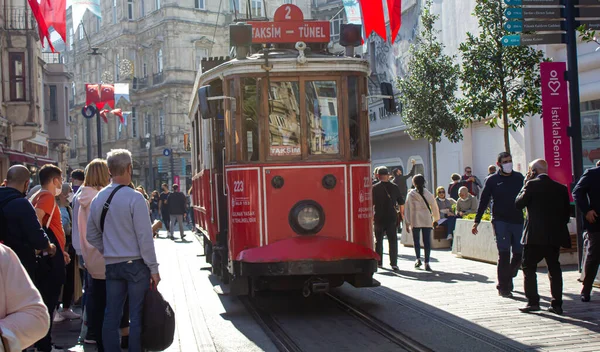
[297, 118]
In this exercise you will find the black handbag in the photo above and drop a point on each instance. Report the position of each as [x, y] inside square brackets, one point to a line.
[158, 322]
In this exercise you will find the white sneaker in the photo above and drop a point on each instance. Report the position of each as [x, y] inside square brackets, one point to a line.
[449, 237]
[54, 349]
[69, 314]
[58, 317]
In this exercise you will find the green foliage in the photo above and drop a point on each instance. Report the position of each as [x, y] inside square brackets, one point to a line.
[588, 35]
[498, 82]
[428, 90]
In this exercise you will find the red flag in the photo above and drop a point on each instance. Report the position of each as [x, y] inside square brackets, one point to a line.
[395, 12]
[55, 15]
[92, 94]
[118, 112]
[42, 26]
[107, 95]
[103, 115]
[373, 19]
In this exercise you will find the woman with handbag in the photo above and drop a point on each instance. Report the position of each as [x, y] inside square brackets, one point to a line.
[421, 214]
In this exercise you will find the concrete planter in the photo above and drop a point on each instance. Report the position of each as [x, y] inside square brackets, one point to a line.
[482, 246]
[407, 240]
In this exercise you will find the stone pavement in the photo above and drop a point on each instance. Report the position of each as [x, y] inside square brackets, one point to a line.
[462, 293]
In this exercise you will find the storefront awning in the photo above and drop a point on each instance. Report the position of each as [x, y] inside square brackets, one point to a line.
[16, 156]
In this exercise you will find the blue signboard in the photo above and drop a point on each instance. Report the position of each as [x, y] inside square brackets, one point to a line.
[511, 40]
[514, 26]
[166, 152]
[513, 13]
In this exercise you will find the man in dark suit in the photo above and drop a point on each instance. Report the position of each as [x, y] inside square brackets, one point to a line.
[587, 196]
[548, 214]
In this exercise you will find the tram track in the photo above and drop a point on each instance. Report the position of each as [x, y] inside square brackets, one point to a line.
[292, 341]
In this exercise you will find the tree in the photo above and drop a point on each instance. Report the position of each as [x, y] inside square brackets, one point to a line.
[428, 91]
[588, 35]
[498, 81]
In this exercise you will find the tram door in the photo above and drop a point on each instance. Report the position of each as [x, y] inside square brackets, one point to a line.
[218, 149]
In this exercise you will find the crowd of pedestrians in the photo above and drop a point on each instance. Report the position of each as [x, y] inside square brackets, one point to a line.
[87, 241]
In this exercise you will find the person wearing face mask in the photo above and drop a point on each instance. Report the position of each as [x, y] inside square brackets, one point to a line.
[19, 227]
[507, 220]
[51, 271]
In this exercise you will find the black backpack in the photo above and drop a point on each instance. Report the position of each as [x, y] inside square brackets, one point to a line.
[158, 322]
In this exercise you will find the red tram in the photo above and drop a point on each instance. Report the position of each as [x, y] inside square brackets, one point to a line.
[282, 184]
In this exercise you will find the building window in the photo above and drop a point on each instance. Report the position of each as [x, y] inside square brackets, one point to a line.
[134, 125]
[75, 142]
[200, 4]
[288, 1]
[145, 70]
[130, 9]
[71, 38]
[17, 76]
[159, 61]
[257, 8]
[234, 5]
[98, 24]
[52, 103]
[73, 92]
[200, 53]
[117, 76]
[157, 4]
[147, 123]
[81, 31]
[335, 25]
[142, 8]
[161, 122]
[114, 11]
[119, 129]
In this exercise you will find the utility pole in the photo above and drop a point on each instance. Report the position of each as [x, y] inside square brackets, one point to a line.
[172, 167]
[150, 168]
[575, 112]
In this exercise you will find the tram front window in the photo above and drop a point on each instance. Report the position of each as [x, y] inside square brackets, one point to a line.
[284, 119]
[354, 117]
[322, 116]
[250, 109]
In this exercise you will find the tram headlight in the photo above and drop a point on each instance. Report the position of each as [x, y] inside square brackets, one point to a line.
[307, 217]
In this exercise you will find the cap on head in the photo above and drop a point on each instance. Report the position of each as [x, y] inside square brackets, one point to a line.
[383, 171]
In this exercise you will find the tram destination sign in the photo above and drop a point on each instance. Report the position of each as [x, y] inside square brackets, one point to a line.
[533, 39]
[289, 26]
[532, 26]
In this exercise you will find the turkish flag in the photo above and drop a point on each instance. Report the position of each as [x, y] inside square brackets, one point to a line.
[372, 12]
[107, 95]
[103, 115]
[92, 94]
[119, 113]
[42, 26]
[395, 12]
[55, 14]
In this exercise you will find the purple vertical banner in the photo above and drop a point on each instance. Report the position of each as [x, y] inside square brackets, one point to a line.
[555, 113]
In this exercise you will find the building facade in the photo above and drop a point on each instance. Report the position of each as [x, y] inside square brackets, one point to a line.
[25, 100]
[155, 46]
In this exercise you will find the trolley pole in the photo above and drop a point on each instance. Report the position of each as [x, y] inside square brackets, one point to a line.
[575, 112]
[88, 137]
[99, 133]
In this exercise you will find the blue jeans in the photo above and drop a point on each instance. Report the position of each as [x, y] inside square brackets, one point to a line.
[154, 215]
[450, 225]
[508, 239]
[122, 279]
[426, 241]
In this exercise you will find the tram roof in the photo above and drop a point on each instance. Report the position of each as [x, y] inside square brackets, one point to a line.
[282, 60]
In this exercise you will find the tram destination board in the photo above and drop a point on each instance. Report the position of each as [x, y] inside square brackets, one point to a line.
[289, 26]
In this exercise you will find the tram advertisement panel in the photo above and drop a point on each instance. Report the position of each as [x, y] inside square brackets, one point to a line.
[244, 208]
[362, 205]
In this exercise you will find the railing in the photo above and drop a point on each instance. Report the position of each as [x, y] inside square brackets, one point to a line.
[52, 58]
[160, 140]
[157, 78]
[18, 18]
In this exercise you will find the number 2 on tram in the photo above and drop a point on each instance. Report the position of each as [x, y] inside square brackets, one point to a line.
[281, 185]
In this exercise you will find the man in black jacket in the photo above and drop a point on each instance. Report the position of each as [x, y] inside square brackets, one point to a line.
[386, 197]
[548, 213]
[177, 204]
[400, 179]
[587, 196]
[20, 229]
[502, 188]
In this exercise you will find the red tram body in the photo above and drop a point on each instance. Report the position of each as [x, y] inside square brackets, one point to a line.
[282, 184]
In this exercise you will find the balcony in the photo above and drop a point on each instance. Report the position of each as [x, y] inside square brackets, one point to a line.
[140, 83]
[157, 78]
[160, 140]
[18, 18]
[52, 58]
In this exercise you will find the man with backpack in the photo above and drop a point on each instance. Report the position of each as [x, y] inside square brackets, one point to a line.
[19, 227]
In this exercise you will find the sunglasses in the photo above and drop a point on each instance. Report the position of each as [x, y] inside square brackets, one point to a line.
[441, 192]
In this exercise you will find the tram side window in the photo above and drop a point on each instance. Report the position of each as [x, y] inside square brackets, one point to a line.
[234, 132]
[354, 117]
[250, 111]
[322, 116]
[284, 119]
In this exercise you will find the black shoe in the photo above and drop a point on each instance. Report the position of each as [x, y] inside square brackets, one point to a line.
[427, 267]
[556, 310]
[505, 294]
[395, 267]
[182, 237]
[585, 298]
[418, 263]
[125, 342]
[529, 309]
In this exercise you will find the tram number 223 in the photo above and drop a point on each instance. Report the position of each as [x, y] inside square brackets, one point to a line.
[238, 186]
